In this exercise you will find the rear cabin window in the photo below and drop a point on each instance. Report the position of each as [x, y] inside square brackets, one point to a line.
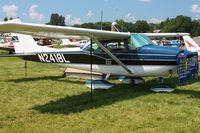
[15, 38]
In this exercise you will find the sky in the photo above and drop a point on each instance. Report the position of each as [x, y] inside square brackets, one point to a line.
[82, 11]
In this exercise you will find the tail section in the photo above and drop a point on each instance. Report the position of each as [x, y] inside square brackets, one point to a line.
[191, 45]
[25, 43]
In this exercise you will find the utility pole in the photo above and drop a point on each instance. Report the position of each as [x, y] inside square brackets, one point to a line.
[101, 20]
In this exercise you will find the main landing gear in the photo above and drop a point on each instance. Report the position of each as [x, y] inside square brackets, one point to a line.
[103, 84]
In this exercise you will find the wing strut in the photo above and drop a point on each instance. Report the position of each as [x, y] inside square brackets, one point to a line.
[113, 56]
[91, 92]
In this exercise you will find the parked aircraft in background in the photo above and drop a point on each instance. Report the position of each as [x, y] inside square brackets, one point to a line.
[43, 41]
[73, 42]
[115, 53]
[168, 39]
[6, 43]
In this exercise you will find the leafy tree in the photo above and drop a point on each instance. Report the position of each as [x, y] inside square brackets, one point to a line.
[141, 26]
[88, 25]
[97, 25]
[6, 19]
[105, 25]
[57, 19]
[179, 24]
[195, 30]
[121, 25]
[153, 27]
[129, 27]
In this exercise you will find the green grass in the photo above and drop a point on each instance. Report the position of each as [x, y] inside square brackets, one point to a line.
[47, 102]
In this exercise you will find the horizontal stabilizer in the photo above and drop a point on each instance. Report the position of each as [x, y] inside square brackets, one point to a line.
[16, 55]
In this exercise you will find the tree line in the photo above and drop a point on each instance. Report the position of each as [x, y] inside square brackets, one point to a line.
[178, 24]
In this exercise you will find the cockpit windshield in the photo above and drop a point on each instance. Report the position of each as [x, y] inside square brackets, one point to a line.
[116, 46]
[138, 40]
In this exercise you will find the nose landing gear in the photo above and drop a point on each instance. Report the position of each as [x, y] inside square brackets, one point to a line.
[162, 87]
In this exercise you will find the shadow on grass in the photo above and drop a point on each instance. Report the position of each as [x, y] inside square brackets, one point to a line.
[81, 102]
[53, 78]
[191, 93]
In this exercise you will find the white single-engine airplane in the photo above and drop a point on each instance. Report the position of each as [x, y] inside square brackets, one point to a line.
[114, 53]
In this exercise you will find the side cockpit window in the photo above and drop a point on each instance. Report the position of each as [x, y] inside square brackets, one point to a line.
[95, 48]
[112, 46]
[116, 47]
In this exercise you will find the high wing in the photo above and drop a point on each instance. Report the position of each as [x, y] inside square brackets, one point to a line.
[59, 31]
[63, 32]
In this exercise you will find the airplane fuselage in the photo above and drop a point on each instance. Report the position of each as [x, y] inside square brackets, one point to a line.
[149, 60]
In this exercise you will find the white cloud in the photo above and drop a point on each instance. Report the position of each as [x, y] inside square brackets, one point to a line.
[70, 20]
[10, 10]
[90, 14]
[76, 21]
[146, 1]
[34, 14]
[155, 20]
[196, 17]
[195, 8]
[129, 17]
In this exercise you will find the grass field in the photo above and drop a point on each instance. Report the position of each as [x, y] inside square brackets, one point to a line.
[47, 102]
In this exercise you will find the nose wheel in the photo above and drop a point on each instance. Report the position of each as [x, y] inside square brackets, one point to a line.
[161, 87]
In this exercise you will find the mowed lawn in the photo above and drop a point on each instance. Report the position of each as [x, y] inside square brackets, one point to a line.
[47, 102]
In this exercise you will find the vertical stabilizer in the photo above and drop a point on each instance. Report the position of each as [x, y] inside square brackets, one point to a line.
[190, 43]
[25, 43]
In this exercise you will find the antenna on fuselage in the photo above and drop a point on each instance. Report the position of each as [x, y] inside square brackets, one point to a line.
[101, 20]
